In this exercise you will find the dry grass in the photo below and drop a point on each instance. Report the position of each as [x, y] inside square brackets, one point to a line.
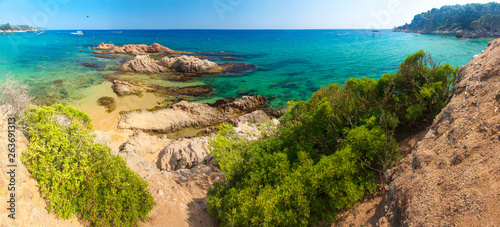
[14, 97]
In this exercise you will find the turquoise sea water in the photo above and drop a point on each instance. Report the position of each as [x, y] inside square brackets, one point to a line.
[291, 64]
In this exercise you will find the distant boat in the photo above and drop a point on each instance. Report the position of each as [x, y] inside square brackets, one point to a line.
[40, 33]
[375, 30]
[77, 33]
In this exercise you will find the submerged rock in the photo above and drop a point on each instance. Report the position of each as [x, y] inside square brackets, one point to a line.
[122, 87]
[179, 78]
[107, 102]
[238, 68]
[142, 64]
[196, 90]
[189, 115]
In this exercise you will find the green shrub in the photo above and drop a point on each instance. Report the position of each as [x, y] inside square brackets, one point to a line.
[326, 152]
[78, 176]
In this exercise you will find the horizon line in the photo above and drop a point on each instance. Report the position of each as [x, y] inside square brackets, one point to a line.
[66, 29]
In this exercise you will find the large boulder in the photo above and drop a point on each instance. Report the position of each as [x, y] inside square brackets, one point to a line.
[189, 115]
[184, 154]
[190, 64]
[142, 64]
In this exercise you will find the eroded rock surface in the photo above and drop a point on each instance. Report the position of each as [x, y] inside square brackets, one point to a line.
[142, 49]
[189, 115]
[184, 153]
[190, 64]
[142, 64]
[104, 46]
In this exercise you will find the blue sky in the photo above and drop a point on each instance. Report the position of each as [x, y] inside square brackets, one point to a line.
[216, 14]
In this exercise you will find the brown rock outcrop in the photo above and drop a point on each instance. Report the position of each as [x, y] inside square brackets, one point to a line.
[452, 178]
[142, 64]
[104, 46]
[189, 115]
[122, 87]
[190, 64]
[142, 49]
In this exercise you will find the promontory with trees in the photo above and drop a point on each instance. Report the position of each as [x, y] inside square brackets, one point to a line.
[465, 21]
[17, 28]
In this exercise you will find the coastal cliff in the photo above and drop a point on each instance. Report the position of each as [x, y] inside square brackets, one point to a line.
[452, 175]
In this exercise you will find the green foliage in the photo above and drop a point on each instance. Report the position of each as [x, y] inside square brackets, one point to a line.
[326, 152]
[419, 89]
[78, 176]
[6, 27]
[465, 17]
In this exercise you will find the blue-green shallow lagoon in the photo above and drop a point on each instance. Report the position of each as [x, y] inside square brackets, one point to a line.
[291, 64]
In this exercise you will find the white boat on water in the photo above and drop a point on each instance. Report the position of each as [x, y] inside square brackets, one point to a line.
[77, 33]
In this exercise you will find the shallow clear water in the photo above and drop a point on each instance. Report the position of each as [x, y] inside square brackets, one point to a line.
[291, 64]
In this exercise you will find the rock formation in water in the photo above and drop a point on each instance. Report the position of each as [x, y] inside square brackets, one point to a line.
[190, 64]
[123, 87]
[140, 49]
[142, 64]
[104, 46]
[189, 115]
[452, 177]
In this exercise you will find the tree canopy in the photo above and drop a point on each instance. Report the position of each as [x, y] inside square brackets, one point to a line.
[468, 17]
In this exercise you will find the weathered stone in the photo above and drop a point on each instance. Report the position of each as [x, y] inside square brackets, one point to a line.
[190, 64]
[189, 115]
[142, 64]
[183, 154]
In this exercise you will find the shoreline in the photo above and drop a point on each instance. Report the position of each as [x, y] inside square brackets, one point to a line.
[457, 34]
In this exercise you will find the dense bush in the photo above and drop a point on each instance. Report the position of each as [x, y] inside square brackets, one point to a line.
[327, 151]
[78, 176]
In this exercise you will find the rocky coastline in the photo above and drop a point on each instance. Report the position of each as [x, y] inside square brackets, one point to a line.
[458, 33]
[168, 146]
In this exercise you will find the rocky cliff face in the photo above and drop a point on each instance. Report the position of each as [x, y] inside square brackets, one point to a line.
[452, 178]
